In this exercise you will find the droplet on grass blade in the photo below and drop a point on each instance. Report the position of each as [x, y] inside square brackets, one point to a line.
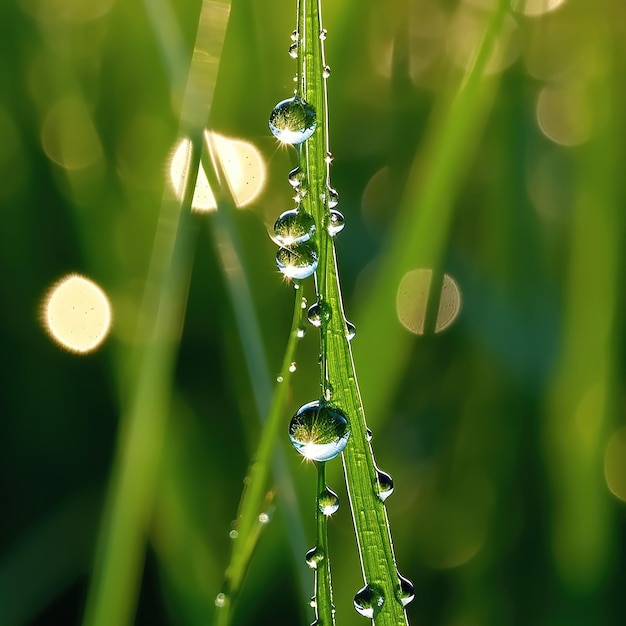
[337, 222]
[406, 590]
[319, 432]
[314, 556]
[383, 485]
[293, 120]
[328, 501]
[293, 226]
[369, 600]
[318, 313]
[298, 261]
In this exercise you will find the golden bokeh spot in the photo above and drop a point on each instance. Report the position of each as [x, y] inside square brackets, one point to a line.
[77, 314]
[243, 165]
[615, 464]
[414, 295]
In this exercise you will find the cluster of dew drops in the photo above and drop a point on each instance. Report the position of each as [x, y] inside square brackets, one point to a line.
[318, 430]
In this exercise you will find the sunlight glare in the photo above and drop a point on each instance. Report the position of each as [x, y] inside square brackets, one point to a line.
[242, 162]
[77, 314]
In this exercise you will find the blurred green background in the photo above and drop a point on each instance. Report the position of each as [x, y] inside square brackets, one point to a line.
[504, 431]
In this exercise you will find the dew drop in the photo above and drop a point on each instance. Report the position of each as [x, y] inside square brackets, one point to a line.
[319, 432]
[293, 226]
[318, 313]
[293, 50]
[298, 261]
[383, 485]
[233, 534]
[220, 600]
[337, 222]
[264, 518]
[296, 177]
[323, 34]
[333, 198]
[369, 600]
[313, 557]
[293, 366]
[326, 71]
[405, 590]
[328, 501]
[313, 602]
[293, 120]
[279, 379]
[328, 158]
[294, 35]
[368, 434]
[350, 331]
[328, 391]
[301, 332]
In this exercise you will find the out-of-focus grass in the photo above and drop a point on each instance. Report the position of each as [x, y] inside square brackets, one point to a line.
[495, 430]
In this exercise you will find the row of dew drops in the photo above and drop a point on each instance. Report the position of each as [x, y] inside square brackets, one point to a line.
[318, 430]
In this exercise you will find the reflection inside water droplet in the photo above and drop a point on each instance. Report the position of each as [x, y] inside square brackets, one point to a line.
[293, 226]
[313, 557]
[293, 121]
[350, 330]
[383, 485]
[405, 590]
[319, 313]
[328, 501]
[298, 261]
[337, 222]
[369, 600]
[318, 431]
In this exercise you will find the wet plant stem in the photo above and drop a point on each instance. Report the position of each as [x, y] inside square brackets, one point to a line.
[324, 608]
[337, 376]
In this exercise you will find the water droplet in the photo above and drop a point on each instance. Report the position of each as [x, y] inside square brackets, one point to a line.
[318, 314]
[313, 557]
[333, 198]
[328, 158]
[303, 303]
[233, 534]
[279, 379]
[323, 34]
[264, 518]
[293, 226]
[298, 261]
[337, 222]
[294, 35]
[293, 120]
[296, 177]
[368, 434]
[369, 600]
[383, 485]
[293, 366]
[405, 590]
[293, 50]
[326, 71]
[220, 600]
[300, 332]
[319, 432]
[328, 391]
[313, 602]
[328, 501]
[350, 330]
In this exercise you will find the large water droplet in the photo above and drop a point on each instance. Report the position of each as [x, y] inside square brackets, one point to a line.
[333, 198]
[405, 590]
[298, 261]
[337, 222]
[350, 331]
[293, 120]
[369, 600]
[328, 501]
[293, 226]
[383, 485]
[314, 556]
[319, 313]
[319, 432]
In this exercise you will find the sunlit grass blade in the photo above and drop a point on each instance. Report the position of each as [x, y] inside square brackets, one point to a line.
[419, 235]
[113, 592]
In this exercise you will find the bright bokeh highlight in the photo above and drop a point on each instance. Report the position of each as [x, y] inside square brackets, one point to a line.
[77, 314]
[243, 165]
[413, 298]
[534, 8]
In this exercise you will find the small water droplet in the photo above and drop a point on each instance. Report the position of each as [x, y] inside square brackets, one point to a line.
[368, 434]
[369, 600]
[318, 431]
[313, 602]
[293, 226]
[298, 261]
[313, 557]
[233, 534]
[326, 71]
[300, 332]
[328, 390]
[293, 50]
[264, 518]
[279, 379]
[323, 34]
[303, 303]
[220, 600]
[337, 222]
[350, 331]
[296, 177]
[328, 158]
[383, 485]
[293, 366]
[405, 590]
[328, 501]
[318, 314]
[293, 120]
[333, 198]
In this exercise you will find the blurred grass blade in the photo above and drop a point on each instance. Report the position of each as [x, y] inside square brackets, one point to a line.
[419, 235]
[113, 593]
